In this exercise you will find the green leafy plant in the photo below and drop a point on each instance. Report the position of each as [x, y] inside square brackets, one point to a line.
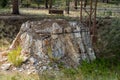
[15, 58]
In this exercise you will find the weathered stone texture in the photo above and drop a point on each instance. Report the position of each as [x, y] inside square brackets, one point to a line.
[55, 40]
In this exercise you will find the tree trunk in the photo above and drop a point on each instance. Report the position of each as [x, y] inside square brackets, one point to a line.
[50, 4]
[46, 4]
[94, 37]
[15, 8]
[107, 1]
[85, 3]
[67, 6]
[75, 1]
[103, 1]
[81, 5]
[38, 5]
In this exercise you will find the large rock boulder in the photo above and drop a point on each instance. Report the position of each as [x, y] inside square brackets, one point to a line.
[54, 41]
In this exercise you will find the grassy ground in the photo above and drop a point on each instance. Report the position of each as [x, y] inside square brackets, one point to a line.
[17, 76]
[101, 69]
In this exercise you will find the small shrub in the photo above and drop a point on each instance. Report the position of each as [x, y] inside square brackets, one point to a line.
[110, 39]
[101, 69]
[15, 58]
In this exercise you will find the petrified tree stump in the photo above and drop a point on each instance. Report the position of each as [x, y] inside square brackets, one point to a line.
[55, 40]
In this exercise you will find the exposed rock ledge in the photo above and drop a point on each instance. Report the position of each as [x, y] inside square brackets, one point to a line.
[54, 41]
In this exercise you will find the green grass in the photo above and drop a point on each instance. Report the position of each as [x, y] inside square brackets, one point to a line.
[5, 10]
[100, 69]
[14, 57]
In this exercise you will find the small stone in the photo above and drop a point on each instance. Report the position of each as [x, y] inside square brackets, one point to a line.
[4, 59]
[25, 59]
[50, 68]
[5, 66]
[30, 71]
[44, 67]
[40, 62]
[14, 68]
[32, 60]
[27, 67]
[48, 61]
[20, 70]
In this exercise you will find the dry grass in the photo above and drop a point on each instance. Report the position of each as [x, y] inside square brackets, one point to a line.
[17, 76]
[4, 44]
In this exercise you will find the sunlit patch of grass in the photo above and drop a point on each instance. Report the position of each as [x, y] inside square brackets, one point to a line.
[15, 58]
[31, 11]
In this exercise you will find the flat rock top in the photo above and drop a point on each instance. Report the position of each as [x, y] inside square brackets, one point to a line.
[47, 23]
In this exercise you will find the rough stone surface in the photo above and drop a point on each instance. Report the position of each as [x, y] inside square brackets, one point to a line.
[5, 66]
[54, 41]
